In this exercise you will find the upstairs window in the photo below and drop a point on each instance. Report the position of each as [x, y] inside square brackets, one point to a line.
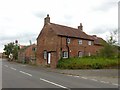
[68, 40]
[79, 41]
[45, 54]
[33, 49]
[65, 54]
[89, 42]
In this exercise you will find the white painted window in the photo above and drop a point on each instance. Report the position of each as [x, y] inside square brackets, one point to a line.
[45, 54]
[79, 41]
[80, 54]
[89, 42]
[65, 54]
[89, 54]
[68, 40]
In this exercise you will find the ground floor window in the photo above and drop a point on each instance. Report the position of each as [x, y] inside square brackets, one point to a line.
[45, 54]
[80, 54]
[65, 54]
[89, 54]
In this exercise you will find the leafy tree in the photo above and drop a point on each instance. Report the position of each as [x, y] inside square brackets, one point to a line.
[110, 49]
[11, 48]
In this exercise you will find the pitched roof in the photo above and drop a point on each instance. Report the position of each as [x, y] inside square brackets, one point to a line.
[25, 47]
[98, 40]
[69, 31]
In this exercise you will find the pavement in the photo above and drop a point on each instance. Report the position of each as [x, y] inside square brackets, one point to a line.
[107, 75]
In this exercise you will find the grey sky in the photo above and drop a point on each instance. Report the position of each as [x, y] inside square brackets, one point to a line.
[24, 19]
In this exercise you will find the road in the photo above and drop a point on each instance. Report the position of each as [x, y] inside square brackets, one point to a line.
[15, 75]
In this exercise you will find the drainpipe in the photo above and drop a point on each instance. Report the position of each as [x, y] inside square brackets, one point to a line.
[68, 48]
[84, 51]
[61, 48]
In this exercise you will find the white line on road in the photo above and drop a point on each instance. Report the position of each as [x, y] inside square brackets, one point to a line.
[114, 84]
[12, 68]
[93, 79]
[26, 73]
[84, 77]
[23, 65]
[104, 82]
[76, 76]
[6, 65]
[69, 75]
[52, 83]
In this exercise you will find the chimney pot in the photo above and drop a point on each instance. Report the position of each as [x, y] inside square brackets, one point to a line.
[47, 20]
[80, 27]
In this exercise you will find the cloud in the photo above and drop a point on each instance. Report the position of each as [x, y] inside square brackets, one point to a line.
[24, 19]
[106, 6]
[40, 14]
[102, 29]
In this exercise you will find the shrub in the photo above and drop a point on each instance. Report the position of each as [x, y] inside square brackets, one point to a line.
[86, 63]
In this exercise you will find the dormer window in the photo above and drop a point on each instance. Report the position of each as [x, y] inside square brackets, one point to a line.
[68, 40]
[79, 41]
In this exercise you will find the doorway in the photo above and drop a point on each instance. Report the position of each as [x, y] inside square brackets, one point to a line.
[49, 58]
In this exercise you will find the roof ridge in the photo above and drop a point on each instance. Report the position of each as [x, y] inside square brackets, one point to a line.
[69, 31]
[64, 26]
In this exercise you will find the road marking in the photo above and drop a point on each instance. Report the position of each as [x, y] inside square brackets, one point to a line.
[6, 65]
[26, 73]
[69, 75]
[12, 68]
[114, 84]
[23, 65]
[93, 79]
[104, 82]
[84, 77]
[52, 83]
[76, 76]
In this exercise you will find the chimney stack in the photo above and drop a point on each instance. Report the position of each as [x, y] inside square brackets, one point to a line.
[80, 27]
[47, 20]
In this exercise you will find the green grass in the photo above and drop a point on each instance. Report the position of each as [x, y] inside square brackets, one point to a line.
[87, 63]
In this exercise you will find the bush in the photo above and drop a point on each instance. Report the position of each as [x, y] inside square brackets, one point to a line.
[97, 66]
[86, 63]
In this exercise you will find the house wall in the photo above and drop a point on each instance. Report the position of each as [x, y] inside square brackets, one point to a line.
[74, 47]
[47, 41]
[27, 54]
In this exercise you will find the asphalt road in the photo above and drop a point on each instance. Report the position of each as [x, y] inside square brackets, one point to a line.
[15, 75]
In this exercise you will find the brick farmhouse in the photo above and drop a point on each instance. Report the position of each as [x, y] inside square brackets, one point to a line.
[58, 41]
[27, 53]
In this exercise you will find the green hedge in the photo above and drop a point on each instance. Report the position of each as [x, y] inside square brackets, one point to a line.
[87, 63]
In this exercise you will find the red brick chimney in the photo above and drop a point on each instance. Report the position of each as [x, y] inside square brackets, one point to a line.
[47, 20]
[80, 27]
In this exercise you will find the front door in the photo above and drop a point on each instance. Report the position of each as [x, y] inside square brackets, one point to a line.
[49, 57]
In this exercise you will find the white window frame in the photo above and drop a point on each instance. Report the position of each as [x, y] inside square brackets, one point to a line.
[80, 54]
[68, 40]
[89, 42]
[89, 54]
[45, 54]
[65, 54]
[79, 41]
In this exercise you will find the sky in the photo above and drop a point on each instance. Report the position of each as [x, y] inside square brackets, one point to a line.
[23, 20]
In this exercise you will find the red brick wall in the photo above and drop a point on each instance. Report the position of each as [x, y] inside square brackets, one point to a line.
[49, 41]
[27, 53]
[46, 41]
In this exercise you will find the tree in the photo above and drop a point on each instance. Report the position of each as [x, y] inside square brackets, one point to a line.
[11, 48]
[110, 49]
